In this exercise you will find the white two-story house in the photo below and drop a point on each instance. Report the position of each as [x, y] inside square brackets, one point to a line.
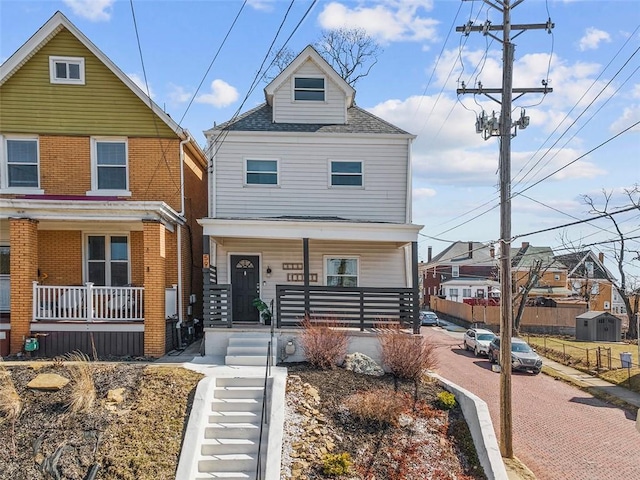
[310, 208]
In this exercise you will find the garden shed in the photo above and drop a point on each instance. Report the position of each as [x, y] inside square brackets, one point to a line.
[597, 326]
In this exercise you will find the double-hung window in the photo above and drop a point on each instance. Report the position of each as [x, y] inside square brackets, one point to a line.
[108, 260]
[455, 271]
[308, 89]
[466, 293]
[110, 166]
[346, 174]
[341, 272]
[261, 172]
[69, 70]
[21, 169]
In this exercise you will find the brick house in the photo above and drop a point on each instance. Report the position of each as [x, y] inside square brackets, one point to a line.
[99, 195]
[470, 266]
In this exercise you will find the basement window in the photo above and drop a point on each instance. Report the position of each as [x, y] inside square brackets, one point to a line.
[67, 70]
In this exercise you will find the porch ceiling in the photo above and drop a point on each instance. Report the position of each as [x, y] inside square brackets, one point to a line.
[313, 229]
[79, 210]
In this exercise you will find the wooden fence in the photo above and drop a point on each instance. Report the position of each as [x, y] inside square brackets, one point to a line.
[543, 319]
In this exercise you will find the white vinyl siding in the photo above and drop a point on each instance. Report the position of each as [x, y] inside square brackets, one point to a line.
[380, 264]
[303, 163]
[288, 110]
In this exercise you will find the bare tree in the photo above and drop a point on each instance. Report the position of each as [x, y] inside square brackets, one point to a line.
[628, 286]
[519, 301]
[352, 52]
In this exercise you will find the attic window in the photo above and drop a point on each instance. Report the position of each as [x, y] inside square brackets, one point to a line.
[69, 70]
[308, 88]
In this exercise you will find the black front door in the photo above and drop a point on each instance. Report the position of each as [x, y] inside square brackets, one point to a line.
[245, 279]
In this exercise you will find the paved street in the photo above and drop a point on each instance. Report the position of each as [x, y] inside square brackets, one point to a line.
[560, 432]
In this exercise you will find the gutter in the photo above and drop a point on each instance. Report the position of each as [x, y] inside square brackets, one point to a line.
[179, 241]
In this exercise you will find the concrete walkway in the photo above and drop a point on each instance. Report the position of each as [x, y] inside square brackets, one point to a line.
[593, 383]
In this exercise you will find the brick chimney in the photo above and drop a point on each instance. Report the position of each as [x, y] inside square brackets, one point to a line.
[601, 257]
[429, 254]
[492, 251]
[525, 245]
[470, 249]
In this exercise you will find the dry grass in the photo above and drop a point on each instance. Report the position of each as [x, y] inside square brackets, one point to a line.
[82, 394]
[10, 404]
[378, 407]
[404, 355]
[145, 443]
[325, 343]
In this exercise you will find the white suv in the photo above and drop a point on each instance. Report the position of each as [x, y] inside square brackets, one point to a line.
[478, 340]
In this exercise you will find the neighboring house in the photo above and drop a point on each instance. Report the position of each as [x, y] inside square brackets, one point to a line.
[469, 288]
[99, 195]
[590, 280]
[552, 278]
[310, 201]
[460, 260]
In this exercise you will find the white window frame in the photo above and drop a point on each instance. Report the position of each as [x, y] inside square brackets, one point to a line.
[595, 288]
[323, 89]
[455, 271]
[331, 174]
[4, 165]
[326, 258]
[245, 172]
[107, 260]
[466, 293]
[453, 293]
[95, 191]
[67, 60]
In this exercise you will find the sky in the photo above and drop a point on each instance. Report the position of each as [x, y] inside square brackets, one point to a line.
[199, 61]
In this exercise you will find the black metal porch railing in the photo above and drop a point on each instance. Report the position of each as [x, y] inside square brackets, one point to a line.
[362, 307]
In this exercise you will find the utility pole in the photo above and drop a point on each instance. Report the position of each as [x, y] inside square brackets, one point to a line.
[505, 129]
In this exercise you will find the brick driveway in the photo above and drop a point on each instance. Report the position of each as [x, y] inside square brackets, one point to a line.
[559, 432]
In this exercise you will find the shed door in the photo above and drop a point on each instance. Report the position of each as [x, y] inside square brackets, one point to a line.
[245, 280]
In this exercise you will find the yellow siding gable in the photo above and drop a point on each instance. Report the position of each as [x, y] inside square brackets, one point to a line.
[104, 105]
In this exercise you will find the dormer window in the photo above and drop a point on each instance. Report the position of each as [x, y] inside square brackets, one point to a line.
[69, 70]
[308, 89]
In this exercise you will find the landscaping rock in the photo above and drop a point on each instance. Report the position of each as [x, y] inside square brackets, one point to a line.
[116, 395]
[360, 363]
[48, 382]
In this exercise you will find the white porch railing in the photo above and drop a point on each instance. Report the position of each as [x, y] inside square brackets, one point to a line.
[88, 303]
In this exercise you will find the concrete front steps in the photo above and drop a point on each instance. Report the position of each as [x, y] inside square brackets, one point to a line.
[250, 349]
[223, 433]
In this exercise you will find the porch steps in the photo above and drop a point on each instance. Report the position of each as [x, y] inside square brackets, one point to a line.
[229, 445]
[250, 349]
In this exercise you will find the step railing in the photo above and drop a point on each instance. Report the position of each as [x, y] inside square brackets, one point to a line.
[264, 416]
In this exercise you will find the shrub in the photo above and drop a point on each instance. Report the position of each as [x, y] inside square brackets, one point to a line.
[325, 345]
[406, 355]
[379, 407]
[446, 400]
[83, 389]
[336, 464]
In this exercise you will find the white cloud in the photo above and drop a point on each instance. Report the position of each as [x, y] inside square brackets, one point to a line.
[178, 94]
[592, 38]
[222, 94]
[94, 10]
[420, 193]
[630, 115]
[139, 81]
[390, 21]
[635, 91]
[263, 5]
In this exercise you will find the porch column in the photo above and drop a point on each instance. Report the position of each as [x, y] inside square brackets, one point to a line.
[23, 235]
[414, 275]
[154, 288]
[305, 274]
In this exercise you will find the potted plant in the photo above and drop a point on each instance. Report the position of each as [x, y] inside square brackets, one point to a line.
[263, 308]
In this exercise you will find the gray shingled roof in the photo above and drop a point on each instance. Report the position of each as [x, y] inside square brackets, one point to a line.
[259, 119]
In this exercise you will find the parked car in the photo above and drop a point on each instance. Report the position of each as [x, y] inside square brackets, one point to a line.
[429, 318]
[477, 340]
[523, 357]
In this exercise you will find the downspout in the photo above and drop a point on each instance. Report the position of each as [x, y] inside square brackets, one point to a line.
[179, 240]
